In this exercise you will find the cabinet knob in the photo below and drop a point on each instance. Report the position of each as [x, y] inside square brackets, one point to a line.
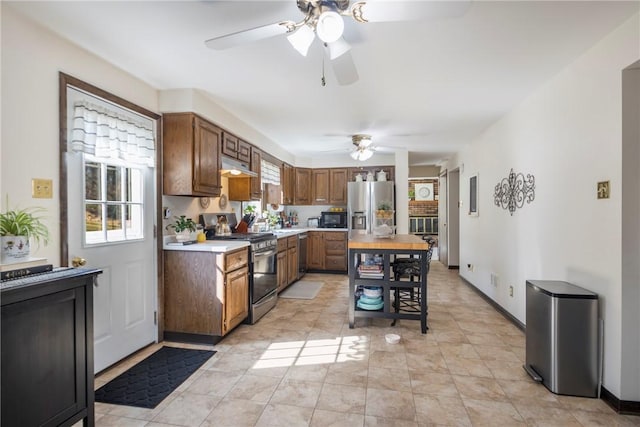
[78, 262]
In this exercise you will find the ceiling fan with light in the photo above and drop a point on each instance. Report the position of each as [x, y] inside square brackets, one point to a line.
[363, 148]
[324, 18]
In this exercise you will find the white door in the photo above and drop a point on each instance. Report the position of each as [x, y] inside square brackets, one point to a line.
[443, 234]
[111, 210]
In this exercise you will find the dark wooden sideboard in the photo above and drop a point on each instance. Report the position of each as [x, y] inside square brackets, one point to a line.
[47, 348]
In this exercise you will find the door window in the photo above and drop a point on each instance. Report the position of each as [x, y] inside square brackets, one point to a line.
[113, 201]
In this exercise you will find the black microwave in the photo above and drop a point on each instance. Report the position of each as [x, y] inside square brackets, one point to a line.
[333, 219]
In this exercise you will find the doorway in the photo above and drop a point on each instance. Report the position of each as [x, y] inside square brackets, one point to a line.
[449, 215]
[109, 214]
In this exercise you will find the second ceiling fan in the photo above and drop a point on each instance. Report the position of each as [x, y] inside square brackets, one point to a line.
[324, 18]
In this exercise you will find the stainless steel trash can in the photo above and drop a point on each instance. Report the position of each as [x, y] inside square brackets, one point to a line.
[562, 337]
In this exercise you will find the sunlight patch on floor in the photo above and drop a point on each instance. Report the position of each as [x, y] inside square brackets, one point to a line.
[313, 352]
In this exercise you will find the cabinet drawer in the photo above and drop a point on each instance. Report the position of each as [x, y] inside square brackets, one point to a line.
[335, 248]
[335, 236]
[282, 244]
[335, 262]
[235, 260]
[292, 242]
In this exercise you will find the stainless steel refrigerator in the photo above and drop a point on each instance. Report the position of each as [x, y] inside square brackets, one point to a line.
[363, 198]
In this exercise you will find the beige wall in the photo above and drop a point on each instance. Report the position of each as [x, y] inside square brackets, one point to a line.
[31, 61]
[568, 134]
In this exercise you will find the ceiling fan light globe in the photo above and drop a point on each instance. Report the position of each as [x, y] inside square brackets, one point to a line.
[301, 39]
[338, 48]
[330, 26]
[366, 154]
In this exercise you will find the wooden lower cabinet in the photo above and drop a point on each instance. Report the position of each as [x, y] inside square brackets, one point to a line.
[287, 260]
[206, 293]
[327, 251]
[315, 250]
[282, 270]
[292, 259]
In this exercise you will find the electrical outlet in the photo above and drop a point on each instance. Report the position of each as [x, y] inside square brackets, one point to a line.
[166, 212]
[511, 291]
[494, 280]
[41, 188]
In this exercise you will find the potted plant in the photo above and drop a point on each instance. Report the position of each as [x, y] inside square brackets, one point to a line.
[384, 210]
[17, 228]
[183, 227]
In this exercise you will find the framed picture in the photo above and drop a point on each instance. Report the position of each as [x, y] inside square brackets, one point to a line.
[473, 195]
[424, 191]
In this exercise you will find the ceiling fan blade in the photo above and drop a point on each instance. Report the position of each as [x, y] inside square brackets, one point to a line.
[389, 11]
[248, 36]
[344, 69]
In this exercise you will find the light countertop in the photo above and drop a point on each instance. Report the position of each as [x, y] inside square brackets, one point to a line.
[217, 246]
[285, 232]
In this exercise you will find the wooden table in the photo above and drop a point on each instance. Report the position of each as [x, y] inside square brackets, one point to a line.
[368, 249]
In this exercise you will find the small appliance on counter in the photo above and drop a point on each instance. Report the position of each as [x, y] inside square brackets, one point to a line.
[313, 222]
[333, 219]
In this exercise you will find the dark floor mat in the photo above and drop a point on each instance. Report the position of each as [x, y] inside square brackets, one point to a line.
[150, 381]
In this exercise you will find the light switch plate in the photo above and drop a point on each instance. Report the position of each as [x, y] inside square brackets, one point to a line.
[41, 188]
[603, 190]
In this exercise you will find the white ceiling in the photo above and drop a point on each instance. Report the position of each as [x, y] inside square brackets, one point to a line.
[429, 86]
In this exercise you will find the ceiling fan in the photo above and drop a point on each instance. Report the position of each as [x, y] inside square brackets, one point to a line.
[324, 18]
[363, 148]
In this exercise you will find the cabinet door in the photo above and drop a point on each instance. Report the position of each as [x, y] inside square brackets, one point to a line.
[287, 184]
[236, 298]
[44, 359]
[244, 152]
[315, 250]
[206, 158]
[230, 145]
[281, 269]
[320, 186]
[256, 166]
[302, 190]
[292, 262]
[338, 186]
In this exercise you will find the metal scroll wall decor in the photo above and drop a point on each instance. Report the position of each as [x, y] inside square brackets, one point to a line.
[514, 190]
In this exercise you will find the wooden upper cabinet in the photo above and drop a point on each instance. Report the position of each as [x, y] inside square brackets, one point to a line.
[244, 153]
[320, 186]
[338, 179]
[233, 146]
[191, 155]
[230, 145]
[287, 182]
[302, 186]
[256, 166]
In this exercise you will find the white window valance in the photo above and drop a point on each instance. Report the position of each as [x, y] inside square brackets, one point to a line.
[270, 173]
[109, 134]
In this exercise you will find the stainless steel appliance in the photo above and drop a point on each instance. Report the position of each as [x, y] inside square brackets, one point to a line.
[363, 198]
[263, 250]
[333, 219]
[302, 254]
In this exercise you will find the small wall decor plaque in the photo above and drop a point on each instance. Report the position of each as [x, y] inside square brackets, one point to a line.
[514, 190]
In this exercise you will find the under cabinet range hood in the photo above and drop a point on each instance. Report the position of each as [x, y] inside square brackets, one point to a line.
[233, 168]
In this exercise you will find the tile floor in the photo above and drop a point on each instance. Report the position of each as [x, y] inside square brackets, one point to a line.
[301, 365]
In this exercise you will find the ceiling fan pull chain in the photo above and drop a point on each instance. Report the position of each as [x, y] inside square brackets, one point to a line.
[323, 81]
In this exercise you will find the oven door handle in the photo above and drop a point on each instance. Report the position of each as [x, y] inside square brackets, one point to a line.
[264, 254]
